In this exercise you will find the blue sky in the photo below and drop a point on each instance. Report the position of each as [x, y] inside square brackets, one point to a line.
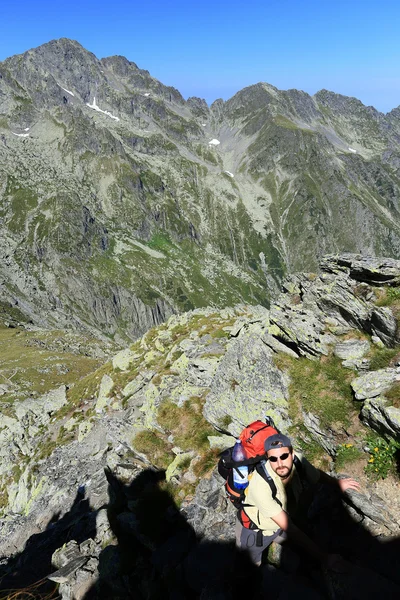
[213, 49]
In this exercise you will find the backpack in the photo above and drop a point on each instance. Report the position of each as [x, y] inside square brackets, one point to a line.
[252, 438]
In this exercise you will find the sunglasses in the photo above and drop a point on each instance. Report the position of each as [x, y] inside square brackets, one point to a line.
[282, 457]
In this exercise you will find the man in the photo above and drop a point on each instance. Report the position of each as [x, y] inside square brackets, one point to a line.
[272, 516]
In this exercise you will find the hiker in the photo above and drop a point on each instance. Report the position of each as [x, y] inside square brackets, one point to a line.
[271, 518]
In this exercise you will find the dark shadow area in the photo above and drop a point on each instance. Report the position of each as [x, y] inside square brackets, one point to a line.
[159, 555]
[33, 563]
[397, 459]
[156, 554]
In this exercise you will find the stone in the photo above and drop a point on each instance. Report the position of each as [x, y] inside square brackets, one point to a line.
[374, 383]
[124, 359]
[106, 386]
[324, 437]
[247, 385]
[381, 417]
[351, 349]
[278, 346]
[384, 325]
[175, 467]
[66, 572]
[300, 327]
[221, 442]
[377, 341]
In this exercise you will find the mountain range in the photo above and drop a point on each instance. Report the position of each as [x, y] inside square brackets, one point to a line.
[122, 203]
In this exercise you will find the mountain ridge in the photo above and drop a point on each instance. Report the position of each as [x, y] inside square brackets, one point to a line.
[122, 203]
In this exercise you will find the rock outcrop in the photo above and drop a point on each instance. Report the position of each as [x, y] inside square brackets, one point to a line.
[172, 401]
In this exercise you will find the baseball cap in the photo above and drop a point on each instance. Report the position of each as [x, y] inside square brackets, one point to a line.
[278, 440]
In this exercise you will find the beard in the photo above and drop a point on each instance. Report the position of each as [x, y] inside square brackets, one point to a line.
[284, 472]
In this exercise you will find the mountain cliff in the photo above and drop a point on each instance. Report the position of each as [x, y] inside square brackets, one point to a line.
[121, 203]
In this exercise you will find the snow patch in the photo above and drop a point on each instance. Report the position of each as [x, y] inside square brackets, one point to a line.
[229, 173]
[21, 134]
[214, 142]
[122, 248]
[352, 150]
[150, 251]
[105, 112]
[68, 92]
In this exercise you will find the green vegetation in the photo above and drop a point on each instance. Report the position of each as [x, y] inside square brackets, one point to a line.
[153, 444]
[33, 363]
[393, 395]
[321, 387]
[225, 421]
[388, 296]
[384, 457]
[187, 424]
[313, 451]
[347, 454]
[382, 358]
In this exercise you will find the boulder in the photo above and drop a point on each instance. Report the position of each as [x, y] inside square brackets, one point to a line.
[247, 385]
[375, 383]
[351, 349]
[368, 269]
[384, 325]
[381, 417]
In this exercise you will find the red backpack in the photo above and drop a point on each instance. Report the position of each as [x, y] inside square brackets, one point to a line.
[252, 438]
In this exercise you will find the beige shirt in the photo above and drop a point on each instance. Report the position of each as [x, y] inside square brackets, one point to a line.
[259, 496]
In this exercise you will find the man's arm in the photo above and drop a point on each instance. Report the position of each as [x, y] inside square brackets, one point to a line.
[329, 561]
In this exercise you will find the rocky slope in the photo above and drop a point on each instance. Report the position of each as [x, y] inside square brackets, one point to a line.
[122, 203]
[81, 464]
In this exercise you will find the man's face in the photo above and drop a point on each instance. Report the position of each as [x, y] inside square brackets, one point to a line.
[281, 461]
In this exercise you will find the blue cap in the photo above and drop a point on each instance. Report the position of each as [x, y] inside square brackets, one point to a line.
[278, 440]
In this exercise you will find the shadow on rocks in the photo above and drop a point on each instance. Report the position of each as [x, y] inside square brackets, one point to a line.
[372, 561]
[159, 555]
[25, 574]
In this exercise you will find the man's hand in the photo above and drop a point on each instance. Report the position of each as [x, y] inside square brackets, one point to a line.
[348, 484]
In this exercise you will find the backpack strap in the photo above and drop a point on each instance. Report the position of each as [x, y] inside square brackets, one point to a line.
[261, 469]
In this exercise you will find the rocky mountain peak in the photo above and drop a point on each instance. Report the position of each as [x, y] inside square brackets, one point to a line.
[106, 173]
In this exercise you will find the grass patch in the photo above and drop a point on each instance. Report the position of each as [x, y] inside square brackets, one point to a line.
[153, 444]
[320, 387]
[388, 296]
[29, 364]
[393, 395]
[186, 424]
[347, 454]
[382, 358]
[384, 457]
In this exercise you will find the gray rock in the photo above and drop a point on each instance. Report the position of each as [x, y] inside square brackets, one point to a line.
[324, 437]
[369, 269]
[67, 571]
[384, 325]
[381, 417]
[301, 327]
[247, 385]
[373, 507]
[351, 349]
[220, 442]
[374, 383]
